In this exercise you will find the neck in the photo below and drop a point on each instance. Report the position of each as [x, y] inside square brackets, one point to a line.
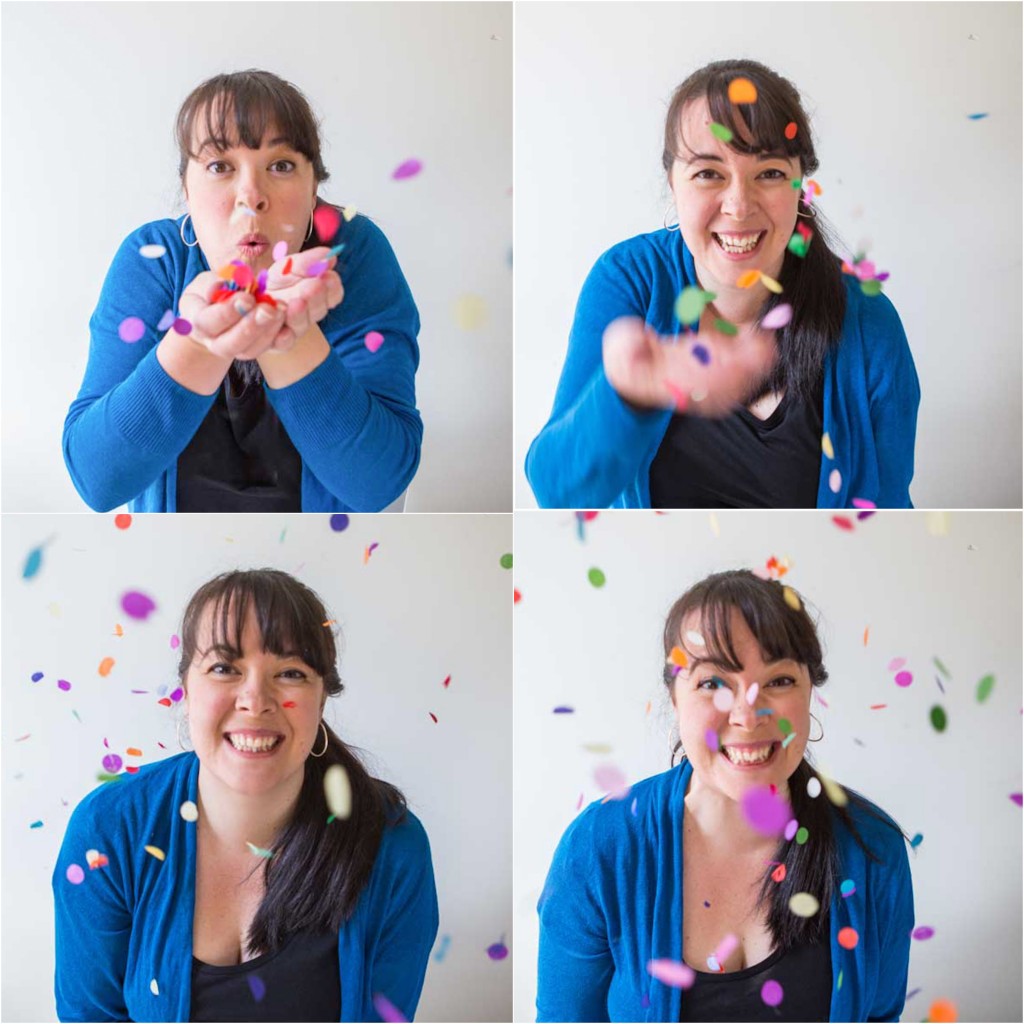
[719, 820]
[233, 819]
[740, 306]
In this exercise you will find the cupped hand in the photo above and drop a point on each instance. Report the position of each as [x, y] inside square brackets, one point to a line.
[706, 374]
[307, 299]
[238, 328]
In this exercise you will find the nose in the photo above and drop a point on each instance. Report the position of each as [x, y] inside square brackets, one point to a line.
[738, 201]
[742, 713]
[255, 694]
[250, 191]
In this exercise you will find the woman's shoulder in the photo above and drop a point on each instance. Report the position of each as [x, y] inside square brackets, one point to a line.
[404, 839]
[872, 322]
[647, 251]
[879, 830]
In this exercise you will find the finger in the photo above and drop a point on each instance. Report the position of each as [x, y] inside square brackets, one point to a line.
[214, 323]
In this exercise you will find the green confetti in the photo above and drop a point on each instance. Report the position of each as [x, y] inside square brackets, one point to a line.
[789, 739]
[506, 561]
[985, 688]
[938, 717]
[720, 132]
[596, 577]
[281, 538]
[690, 304]
[797, 246]
[330, 818]
[871, 287]
[942, 668]
[726, 328]
[839, 984]
[860, 258]
[785, 726]
[796, 184]
[105, 777]
[76, 714]
[259, 851]
[802, 835]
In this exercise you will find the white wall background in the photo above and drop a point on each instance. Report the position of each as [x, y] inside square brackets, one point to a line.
[955, 596]
[888, 87]
[90, 92]
[432, 601]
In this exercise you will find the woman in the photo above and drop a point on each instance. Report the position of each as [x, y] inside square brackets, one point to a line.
[685, 870]
[230, 890]
[289, 400]
[744, 413]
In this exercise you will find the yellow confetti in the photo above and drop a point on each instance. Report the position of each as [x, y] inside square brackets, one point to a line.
[338, 791]
[833, 790]
[156, 852]
[771, 284]
[937, 522]
[348, 212]
[826, 446]
[470, 312]
[742, 90]
[791, 598]
[598, 748]
[803, 904]
[713, 521]
[748, 279]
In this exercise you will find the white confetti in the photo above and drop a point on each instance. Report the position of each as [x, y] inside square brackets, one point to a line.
[338, 791]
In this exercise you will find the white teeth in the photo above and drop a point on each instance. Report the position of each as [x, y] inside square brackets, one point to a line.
[251, 745]
[748, 756]
[732, 243]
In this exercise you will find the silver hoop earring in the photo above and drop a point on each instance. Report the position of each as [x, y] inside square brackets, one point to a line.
[810, 216]
[177, 732]
[811, 739]
[181, 231]
[665, 223]
[326, 741]
[309, 233]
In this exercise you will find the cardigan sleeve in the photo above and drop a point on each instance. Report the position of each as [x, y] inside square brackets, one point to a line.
[354, 419]
[130, 420]
[398, 959]
[894, 394]
[93, 927]
[574, 965]
[594, 444]
[894, 953]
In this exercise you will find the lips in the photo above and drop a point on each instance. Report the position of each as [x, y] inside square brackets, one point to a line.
[253, 239]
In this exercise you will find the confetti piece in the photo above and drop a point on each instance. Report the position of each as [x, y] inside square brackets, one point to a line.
[408, 169]
[373, 340]
[904, 678]
[133, 752]
[761, 712]
[938, 718]
[131, 329]
[771, 992]
[155, 851]
[348, 212]
[338, 791]
[677, 656]
[843, 522]
[722, 699]
[797, 245]
[813, 787]
[1018, 799]
[122, 521]
[257, 851]
[922, 933]
[598, 748]
[610, 779]
[871, 287]
[433, 716]
[777, 317]
[112, 763]
[802, 835]
[256, 986]
[779, 874]
[36, 676]
[680, 399]
[137, 605]
[690, 304]
[866, 628]
[118, 629]
[847, 888]
[442, 949]
[674, 973]
[287, 268]
[470, 312]
[563, 710]
[505, 561]
[579, 803]
[976, 117]
[152, 251]
[189, 811]
[711, 739]
[790, 130]
[835, 481]
[497, 951]
[386, 1010]
[326, 221]
[96, 860]
[165, 702]
[280, 250]
[985, 688]
[916, 841]
[596, 577]
[447, 681]
[154, 987]
[742, 90]
[803, 904]
[720, 132]
[726, 328]
[36, 824]
[942, 668]
[369, 551]
[834, 792]
[748, 279]
[877, 707]
[896, 664]
[752, 693]
[771, 284]
[714, 965]
[316, 269]
[791, 598]
[937, 523]
[74, 874]
[942, 1011]
[848, 938]
[181, 326]
[791, 827]
[765, 811]
[288, 704]
[105, 666]
[701, 354]
[33, 563]
[339, 522]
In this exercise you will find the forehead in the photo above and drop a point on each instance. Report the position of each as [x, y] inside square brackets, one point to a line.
[220, 111]
[694, 137]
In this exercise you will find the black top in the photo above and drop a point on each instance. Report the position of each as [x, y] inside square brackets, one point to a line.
[740, 461]
[300, 982]
[805, 974]
[240, 459]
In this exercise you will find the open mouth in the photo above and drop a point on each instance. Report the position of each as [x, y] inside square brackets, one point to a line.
[253, 746]
[751, 758]
[739, 247]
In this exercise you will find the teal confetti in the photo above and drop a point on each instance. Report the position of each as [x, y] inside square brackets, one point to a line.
[976, 117]
[36, 824]
[33, 563]
[259, 851]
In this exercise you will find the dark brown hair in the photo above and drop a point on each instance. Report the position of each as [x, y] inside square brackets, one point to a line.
[813, 284]
[254, 101]
[783, 632]
[318, 869]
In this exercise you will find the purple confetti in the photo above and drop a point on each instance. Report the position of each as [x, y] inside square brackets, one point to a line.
[181, 326]
[771, 992]
[177, 695]
[939, 681]
[386, 1010]
[137, 605]
[258, 989]
[765, 811]
[112, 763]
[36, 676]
[922, 933]
[63, 684]
[316, 269]
[166, 321]
[75, 875]
[910, 995]
[701, 354]
[791, 826]
[408, 169]
[497, 951]
[1017, 798]
[563, 709]
[711, 739]
[261, 281]
[339, 522]
[866, 514]
[131, 329]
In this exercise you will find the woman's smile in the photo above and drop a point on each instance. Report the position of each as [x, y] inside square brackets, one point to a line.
[254, 742]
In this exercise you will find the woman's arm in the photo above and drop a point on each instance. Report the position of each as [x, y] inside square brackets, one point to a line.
[353, 417]
[594, 443]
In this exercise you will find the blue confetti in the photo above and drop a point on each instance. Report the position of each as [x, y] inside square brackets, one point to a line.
[763, 711]
[916, 841]
[33, 563]
[442, 949]
[977, 117]
[36, 676]
[256, 986]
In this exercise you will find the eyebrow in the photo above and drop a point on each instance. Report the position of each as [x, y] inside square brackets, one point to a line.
[719, 664]
[236, 655]
[761, 157]
[211, 143]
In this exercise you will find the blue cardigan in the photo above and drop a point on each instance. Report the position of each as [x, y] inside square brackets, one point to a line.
[613, 901]
[130, 922]
[596, 451]
[353, 419]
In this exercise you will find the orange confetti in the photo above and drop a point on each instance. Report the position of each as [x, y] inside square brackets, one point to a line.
[942, 1011]
[118, 629]
[678, 657]
[848, 938]
[329, 622]
[748, 279]
[814, 186]
[105, 666]
[866, 628]
[122, 521]
[791, 130]
[133, 752]
[742, 90]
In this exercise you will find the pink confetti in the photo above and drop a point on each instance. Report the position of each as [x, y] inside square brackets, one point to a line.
[386, 1010]
[711, 739]
[131, 329]
[374, 340]
[280, 250]
[610, 779]
[771, 993]
[75, 875]
[791, 826]
[175, 641]
[777, 317]
[408, 169]
[752, 694]
[325, 222]
[725, 948]
[904, 678]
[765, 811]
[896, 664]
[672, 972]
[863, 503]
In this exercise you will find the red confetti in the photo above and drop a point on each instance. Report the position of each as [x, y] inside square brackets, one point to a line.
[123, 521]
[447, 680]
[878, 707]
[325, 222]
[165, 701]
[432, 715]
[287, 268]
[132, 768]
[791, 130]
[516, 597]
[843, 522]
[288, 704]
[779, 873]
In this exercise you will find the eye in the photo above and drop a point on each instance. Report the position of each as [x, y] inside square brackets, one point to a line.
[291, 164]
[294, 675]
[711, 683]
[771, 170]
[220, 668]
[783, 681]
[215, 163]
